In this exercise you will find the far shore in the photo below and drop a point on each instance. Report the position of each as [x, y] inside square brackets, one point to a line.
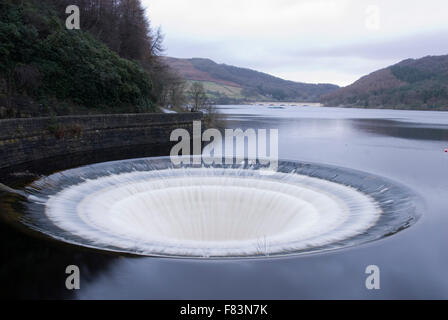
[287, 104]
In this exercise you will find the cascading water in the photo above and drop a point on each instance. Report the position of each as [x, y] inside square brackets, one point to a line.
[152, 207]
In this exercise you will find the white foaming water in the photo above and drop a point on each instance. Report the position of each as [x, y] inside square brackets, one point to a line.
[211, 212]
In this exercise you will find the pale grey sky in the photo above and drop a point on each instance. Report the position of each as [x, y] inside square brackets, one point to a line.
[316, 41]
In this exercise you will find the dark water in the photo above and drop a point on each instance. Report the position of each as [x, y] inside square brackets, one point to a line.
[406, 146]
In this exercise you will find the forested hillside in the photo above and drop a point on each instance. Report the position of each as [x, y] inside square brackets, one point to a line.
[110, 65]
[410, 84]
[229, 84]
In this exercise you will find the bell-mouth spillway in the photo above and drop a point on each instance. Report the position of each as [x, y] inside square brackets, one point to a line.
[152, 207]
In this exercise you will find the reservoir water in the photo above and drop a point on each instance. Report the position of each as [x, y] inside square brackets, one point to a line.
[404, 146]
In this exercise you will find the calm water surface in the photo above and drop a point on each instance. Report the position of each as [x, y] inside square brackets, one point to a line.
[406, 146]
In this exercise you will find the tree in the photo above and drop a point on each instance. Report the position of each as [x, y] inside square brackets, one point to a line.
[43, 66]
[124, 27]
[42, 61]
[198, 97]
[200, 102]
[157, 38]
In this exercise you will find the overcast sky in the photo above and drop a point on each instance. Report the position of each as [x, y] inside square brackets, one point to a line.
[316, 41]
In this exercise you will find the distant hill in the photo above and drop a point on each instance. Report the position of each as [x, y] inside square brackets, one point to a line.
[410, 84]
[229, 84]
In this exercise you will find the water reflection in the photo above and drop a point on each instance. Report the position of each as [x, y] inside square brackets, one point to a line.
[33, 266]
[400, 129]
[325, 128]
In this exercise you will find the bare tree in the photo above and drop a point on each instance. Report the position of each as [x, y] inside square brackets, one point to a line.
[157, 38]
[200, 102]
[198, 97]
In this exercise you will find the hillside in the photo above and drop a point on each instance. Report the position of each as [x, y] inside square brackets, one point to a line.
[410, 84]
[106, 67]
[229, 84]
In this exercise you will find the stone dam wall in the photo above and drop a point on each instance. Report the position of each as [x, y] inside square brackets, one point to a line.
[27, 140]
